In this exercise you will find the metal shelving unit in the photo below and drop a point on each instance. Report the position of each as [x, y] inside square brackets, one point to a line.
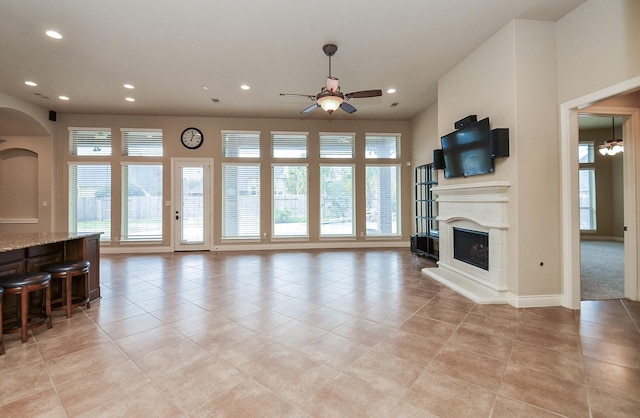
[426, 239]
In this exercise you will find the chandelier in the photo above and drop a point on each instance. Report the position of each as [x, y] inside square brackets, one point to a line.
[612, 146]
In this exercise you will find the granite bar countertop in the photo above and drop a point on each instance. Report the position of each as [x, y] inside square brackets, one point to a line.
[18, 240]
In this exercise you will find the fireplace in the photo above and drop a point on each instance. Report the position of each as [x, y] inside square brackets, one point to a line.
[471, 247]
[474, 235]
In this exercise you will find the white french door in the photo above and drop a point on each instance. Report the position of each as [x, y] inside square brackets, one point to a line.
[191, 209]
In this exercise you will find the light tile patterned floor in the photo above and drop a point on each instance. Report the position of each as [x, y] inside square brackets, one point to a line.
[359, 333]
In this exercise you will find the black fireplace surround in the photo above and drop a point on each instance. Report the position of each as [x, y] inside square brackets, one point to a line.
[471, 247]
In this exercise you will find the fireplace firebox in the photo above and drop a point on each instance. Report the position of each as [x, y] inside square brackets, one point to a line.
[471, 247]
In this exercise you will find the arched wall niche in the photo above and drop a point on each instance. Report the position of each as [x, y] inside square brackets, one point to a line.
[26, 167]
[19, 185]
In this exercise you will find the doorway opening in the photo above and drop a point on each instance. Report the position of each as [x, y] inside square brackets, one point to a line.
[191, 210]
[601, 205]
[622, 99]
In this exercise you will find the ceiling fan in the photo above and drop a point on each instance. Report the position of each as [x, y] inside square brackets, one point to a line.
[330, 97]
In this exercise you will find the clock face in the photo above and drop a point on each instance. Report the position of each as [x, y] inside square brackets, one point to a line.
[192, 138]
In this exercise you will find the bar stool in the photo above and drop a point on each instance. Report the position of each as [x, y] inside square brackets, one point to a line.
[1, 333]
[23, 284]
[66, 271]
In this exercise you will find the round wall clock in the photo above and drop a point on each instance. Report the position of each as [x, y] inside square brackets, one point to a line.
[192, 138]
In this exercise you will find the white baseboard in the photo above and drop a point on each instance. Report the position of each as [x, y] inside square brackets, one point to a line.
[534, 301]
[263, 247]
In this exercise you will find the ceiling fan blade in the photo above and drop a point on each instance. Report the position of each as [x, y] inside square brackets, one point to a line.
[363, 94]
[347, 107]
[299, 95]
[310, 108]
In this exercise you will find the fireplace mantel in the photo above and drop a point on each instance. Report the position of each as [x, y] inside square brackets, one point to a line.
[481, 206]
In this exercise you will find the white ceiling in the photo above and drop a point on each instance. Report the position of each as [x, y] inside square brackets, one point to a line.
[170, 49]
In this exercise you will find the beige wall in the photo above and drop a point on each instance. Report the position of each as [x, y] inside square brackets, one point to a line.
[511, 79]
[212, 148]
[597, 47]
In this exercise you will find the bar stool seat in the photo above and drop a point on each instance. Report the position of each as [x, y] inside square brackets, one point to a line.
[23, 284]
[65, 272]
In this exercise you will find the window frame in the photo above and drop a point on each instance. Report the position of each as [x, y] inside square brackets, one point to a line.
[398, 142]
[397, 202]
[126, 144]
[275, 141]
[224, 165]
[125, 235]
[274, 215]
[323, 136]
[72, 197]
[256, 145]
[352, 202]
[73, 142]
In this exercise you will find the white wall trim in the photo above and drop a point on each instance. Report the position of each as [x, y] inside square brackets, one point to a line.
[266, 247]
[569, 185]
[535, 301]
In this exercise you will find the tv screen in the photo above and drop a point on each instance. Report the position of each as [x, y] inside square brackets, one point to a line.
[467, 151]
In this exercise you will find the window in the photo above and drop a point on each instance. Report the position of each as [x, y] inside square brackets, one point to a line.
[141, 202]
[289, 144]
[382, 145]
[337, 145]
[89, 141]
[586, 153]
[383, 200]
[142, 142]
[241, 201]
[336, 200]
[90, 199]
[290, 200]
[241, 144]
[587, 186]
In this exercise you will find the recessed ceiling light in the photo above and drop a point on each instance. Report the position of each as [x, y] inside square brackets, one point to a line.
[63, 98]
[205, 88]
[53, 34]
[129, 86]
[245, 87]
[31, 83]
[391, 90]
[130, 99]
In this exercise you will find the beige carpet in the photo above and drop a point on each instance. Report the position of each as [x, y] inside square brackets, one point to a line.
[602, 270]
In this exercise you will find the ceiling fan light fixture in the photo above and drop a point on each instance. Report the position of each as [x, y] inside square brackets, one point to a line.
[330, 103]
[612, 146]
[332, 84]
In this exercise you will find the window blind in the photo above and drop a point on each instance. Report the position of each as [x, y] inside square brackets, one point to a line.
[241, 144]
[337, 145]
[241, 201]
[142, 143]
[89, 141]
[289, 144]
[382, 146]
[90, 199]
[141, 202]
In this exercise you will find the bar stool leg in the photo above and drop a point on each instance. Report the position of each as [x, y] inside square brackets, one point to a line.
[24, 309]
[47, 306]
[69, 282]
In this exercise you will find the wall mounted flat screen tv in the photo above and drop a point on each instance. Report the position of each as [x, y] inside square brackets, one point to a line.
[467, 151]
